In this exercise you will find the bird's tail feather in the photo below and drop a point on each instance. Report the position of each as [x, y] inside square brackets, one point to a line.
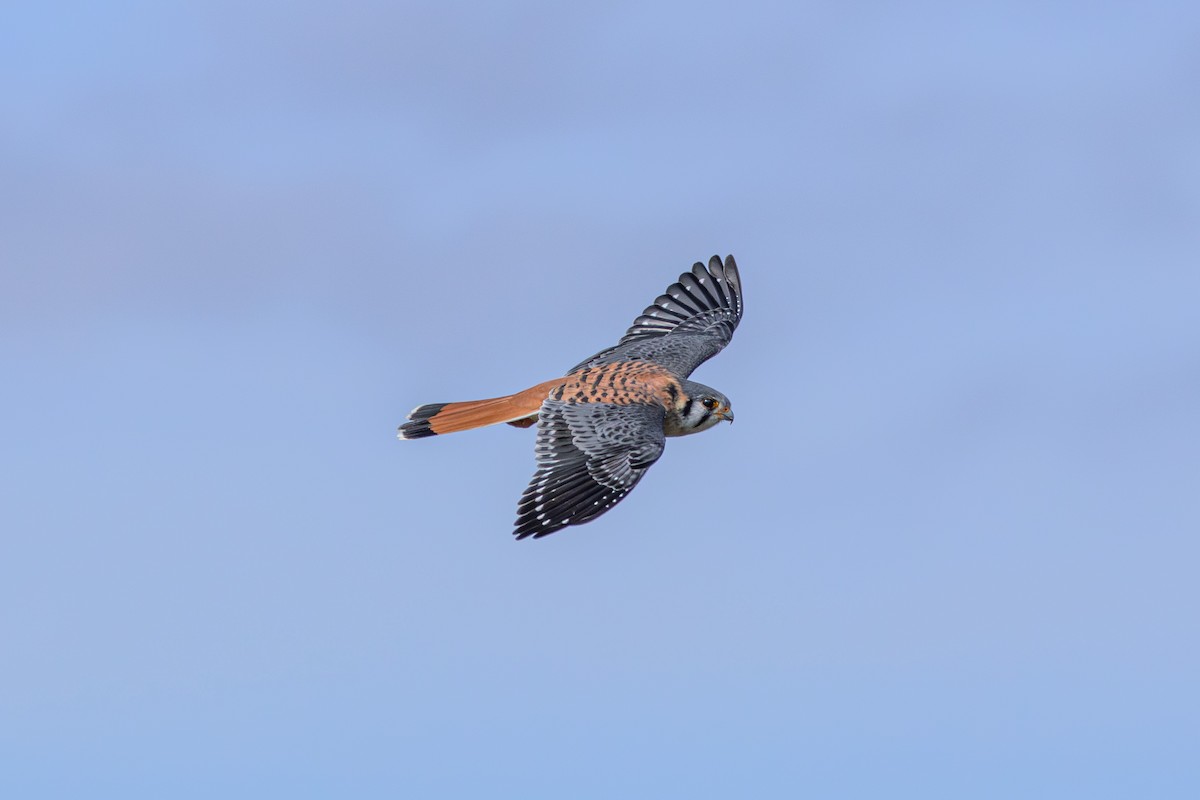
[434, 419]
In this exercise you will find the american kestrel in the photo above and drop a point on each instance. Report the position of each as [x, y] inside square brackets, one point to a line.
[602, 425]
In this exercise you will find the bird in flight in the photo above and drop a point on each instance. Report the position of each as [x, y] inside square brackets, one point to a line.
[601, 426]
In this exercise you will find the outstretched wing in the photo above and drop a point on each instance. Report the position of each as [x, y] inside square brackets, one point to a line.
[687, 325]
[589, 456]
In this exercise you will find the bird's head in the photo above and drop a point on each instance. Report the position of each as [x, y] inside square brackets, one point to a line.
[699, 408]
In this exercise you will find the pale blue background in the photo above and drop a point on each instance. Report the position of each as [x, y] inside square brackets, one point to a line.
[949, 550]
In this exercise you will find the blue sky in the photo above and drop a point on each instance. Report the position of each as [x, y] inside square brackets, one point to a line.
[948, 550]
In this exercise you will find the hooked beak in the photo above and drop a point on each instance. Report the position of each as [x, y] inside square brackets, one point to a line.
[726, 414]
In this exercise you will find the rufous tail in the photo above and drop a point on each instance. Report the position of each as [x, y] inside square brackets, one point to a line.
[434, 419]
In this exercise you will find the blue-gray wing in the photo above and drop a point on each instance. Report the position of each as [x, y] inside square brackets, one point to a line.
[589, 456]
[687, 325]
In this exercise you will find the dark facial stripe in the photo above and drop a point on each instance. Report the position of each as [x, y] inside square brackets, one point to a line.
[687, 408]
[704, 419]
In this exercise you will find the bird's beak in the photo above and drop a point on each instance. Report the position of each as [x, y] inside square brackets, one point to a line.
[726, 414]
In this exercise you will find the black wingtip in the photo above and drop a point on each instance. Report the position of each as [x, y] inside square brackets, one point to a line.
[541, 513]
[418, 426]
[716, 262]
[529, 526]
[731, 270]
[726, 267]
[698, 292]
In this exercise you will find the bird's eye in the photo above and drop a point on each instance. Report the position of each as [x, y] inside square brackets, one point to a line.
[709, 403]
